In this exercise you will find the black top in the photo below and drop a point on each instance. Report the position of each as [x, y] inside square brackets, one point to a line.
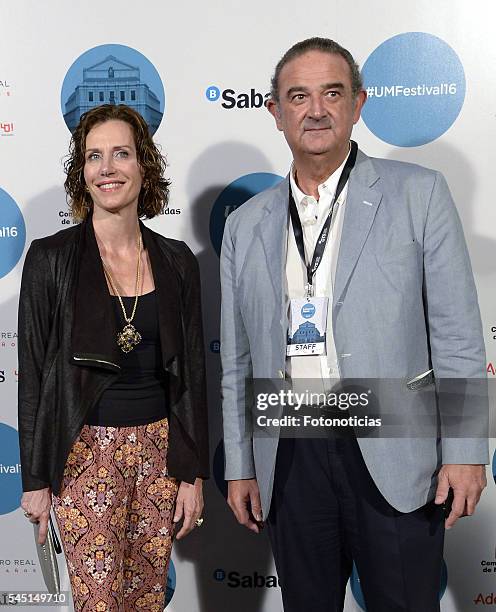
[139, 395]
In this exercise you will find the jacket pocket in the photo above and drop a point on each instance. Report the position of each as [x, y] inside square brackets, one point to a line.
[398, 253]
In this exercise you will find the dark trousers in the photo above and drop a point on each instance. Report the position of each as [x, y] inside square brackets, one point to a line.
[326, 512]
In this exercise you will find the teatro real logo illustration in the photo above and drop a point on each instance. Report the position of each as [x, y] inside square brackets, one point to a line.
[113, 74]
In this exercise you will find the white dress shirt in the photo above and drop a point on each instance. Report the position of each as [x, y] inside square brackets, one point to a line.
[313, 214]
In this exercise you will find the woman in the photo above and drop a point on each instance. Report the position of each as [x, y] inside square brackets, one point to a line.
[112, 412]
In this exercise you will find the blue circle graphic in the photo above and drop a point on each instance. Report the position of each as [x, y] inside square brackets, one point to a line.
[113, 74]
[307, 310]
[235, 194]
[212, 93]
[444, 580]
[416, 87]
[218, 468]
[12, 233]
[171, 583]
[356, 589]
[10, 474]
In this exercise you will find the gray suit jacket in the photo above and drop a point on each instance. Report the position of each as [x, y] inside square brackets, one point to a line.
[404, 302]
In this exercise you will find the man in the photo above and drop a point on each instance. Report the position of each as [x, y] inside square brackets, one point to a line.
[382, 254]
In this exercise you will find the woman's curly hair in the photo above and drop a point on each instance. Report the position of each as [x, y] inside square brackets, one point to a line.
[154, 194]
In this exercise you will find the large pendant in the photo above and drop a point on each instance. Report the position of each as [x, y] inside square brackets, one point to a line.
[128, 338]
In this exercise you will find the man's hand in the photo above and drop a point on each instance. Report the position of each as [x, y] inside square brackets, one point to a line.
[189, 506]
[467, 482]
[244, 501]
[38, 504]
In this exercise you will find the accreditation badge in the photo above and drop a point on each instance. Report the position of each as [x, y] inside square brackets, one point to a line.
[307, 331]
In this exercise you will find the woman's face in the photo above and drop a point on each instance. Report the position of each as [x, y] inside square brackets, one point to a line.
[111, 170]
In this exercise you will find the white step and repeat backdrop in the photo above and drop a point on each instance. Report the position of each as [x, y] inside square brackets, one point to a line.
[200, 73]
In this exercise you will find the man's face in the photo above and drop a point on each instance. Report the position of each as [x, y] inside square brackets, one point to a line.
[316, 108]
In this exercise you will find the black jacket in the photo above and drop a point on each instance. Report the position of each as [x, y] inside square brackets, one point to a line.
[68, 353]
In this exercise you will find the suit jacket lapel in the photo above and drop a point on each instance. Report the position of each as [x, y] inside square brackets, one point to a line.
[94, 325]
[273, 234]
[362, 202]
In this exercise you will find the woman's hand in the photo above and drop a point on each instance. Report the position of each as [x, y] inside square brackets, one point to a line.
[37, 504]
[189, 506]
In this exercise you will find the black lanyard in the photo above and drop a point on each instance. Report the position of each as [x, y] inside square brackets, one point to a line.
[324, 234]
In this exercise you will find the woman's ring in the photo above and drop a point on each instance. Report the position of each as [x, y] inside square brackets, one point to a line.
[27, 514]
[199, 522]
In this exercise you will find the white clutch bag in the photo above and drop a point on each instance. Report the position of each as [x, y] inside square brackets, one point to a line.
[47, 555]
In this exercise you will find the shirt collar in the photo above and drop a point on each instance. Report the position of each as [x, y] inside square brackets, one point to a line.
[327, 188]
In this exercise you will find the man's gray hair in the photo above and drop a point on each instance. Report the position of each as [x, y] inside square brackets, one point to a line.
[326, 45]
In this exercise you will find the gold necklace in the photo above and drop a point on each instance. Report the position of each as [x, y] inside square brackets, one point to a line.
[129, 337]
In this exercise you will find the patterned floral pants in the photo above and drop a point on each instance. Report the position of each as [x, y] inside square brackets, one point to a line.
[114, 515]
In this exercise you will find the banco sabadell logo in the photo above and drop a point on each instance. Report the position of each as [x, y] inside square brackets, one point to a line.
[234, 579]
[416, 87]
[12, 233]
[212, 93]
[10, 469]
[113, 74]
[231, 98]
[235, 194]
